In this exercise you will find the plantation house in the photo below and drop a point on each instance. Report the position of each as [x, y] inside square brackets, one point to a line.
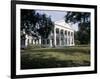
[62, 35]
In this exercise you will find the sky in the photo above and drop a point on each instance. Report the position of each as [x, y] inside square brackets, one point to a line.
[56, 16]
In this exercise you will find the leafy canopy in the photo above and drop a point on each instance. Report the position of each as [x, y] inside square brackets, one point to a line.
[36, 24]
[83, 20]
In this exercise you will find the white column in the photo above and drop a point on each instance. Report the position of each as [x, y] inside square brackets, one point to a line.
[29, 40]
[26, 40]
[33, 42]
[39, 40]
[72, 39]
[50, 43]
[36, 41]
[55, 36]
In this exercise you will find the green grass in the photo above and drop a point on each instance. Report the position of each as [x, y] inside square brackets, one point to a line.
[55, 57]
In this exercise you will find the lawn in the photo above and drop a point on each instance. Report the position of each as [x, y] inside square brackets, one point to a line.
[33, 58]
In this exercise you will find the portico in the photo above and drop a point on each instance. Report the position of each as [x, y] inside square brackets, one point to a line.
[63, 34]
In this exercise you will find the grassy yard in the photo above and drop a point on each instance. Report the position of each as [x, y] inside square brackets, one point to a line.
[55, 57]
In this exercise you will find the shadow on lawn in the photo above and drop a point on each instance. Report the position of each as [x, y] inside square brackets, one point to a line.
[38, 62]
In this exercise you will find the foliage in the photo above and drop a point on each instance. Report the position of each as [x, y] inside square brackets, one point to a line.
[82, 36]
[35, 24]
[80, 17]
[46, 25]
[28, 20]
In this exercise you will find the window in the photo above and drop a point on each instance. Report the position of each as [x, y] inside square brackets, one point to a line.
[71, 33]
[65, 32]
[68, 33]
[61, 31]
[57, 30]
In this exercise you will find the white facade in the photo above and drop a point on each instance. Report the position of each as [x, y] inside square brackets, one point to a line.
[62, 35]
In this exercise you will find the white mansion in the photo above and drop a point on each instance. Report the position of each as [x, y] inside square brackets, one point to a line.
[63, 35]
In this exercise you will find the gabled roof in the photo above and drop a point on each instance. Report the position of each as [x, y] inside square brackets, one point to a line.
[63, 24]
